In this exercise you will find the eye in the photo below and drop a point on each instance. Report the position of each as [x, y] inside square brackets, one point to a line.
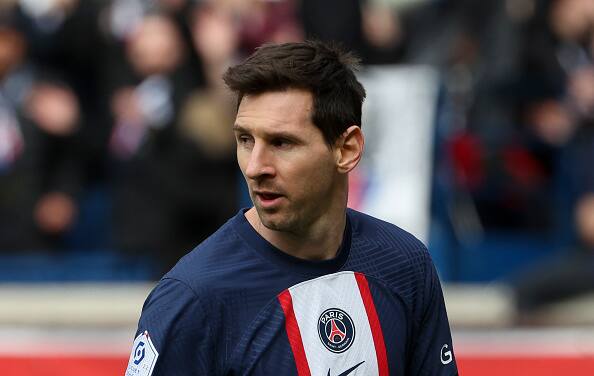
[281, 143]
[244, 139]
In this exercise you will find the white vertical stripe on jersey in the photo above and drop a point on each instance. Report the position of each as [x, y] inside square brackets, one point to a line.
[310, 299]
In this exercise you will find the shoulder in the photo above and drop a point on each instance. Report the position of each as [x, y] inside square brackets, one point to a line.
[219, 260]
[378, 233]
[391, 255]
[177, 325]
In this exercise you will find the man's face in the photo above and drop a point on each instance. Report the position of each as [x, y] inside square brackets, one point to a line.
[290, 170]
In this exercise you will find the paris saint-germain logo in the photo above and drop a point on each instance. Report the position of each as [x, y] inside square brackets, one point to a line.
[336, 330]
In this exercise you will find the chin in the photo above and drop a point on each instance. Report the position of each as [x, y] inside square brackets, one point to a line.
[275, 221]
[272, 224]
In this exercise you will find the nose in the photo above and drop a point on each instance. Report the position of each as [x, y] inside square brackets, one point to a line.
[260, 163]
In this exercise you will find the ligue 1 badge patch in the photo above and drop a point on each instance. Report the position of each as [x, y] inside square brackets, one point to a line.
[336, 330]
[143, 357]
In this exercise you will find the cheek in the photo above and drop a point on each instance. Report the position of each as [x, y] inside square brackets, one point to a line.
[311, 178]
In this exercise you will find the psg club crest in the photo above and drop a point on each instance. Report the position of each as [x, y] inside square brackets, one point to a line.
[336, 330]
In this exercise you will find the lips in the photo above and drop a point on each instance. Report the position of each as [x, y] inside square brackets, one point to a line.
[268, 198]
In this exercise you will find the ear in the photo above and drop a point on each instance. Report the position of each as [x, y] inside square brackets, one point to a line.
[348, 149]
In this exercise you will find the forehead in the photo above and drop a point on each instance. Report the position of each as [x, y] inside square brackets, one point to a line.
[276, 110]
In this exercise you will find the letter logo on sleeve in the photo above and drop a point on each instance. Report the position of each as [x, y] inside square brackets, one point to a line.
[336, 330]
[143, 357]
[446, 355]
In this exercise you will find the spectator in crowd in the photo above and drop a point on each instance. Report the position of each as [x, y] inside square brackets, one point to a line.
[172, 156]
[375, 29]
[148, 91]
[39, 168]
[512, 116]
[567, 124]
[568, 274]
[263, 21]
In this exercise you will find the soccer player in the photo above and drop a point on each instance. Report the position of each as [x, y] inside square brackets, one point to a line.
[298, 284]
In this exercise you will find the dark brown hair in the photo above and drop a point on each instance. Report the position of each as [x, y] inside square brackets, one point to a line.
[325, 70]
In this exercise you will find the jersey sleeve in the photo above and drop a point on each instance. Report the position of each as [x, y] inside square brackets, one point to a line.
[432, 352]
[173, 336]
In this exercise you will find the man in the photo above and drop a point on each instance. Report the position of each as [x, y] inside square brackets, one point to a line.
[298, 284]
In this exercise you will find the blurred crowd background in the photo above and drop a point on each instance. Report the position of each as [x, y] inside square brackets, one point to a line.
[115, 133]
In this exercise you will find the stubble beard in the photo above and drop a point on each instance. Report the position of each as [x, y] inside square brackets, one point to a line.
[277, 220]
[291, 218]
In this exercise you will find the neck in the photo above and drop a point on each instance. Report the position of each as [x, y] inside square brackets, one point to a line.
[319, 241]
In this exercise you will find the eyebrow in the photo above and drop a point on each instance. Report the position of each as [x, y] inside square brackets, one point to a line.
[269, 135]
[238, 128]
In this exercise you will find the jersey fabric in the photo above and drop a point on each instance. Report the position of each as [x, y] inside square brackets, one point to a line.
[236, 305]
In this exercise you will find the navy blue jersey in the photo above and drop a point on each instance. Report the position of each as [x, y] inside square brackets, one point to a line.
[236, 305]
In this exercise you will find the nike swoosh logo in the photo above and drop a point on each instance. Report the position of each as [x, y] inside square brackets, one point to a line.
[348, 370]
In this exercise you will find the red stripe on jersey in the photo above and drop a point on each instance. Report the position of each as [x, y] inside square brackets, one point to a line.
[294, 334]
[374, 324]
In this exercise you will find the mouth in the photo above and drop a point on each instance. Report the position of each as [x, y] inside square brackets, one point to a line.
[267, 199]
